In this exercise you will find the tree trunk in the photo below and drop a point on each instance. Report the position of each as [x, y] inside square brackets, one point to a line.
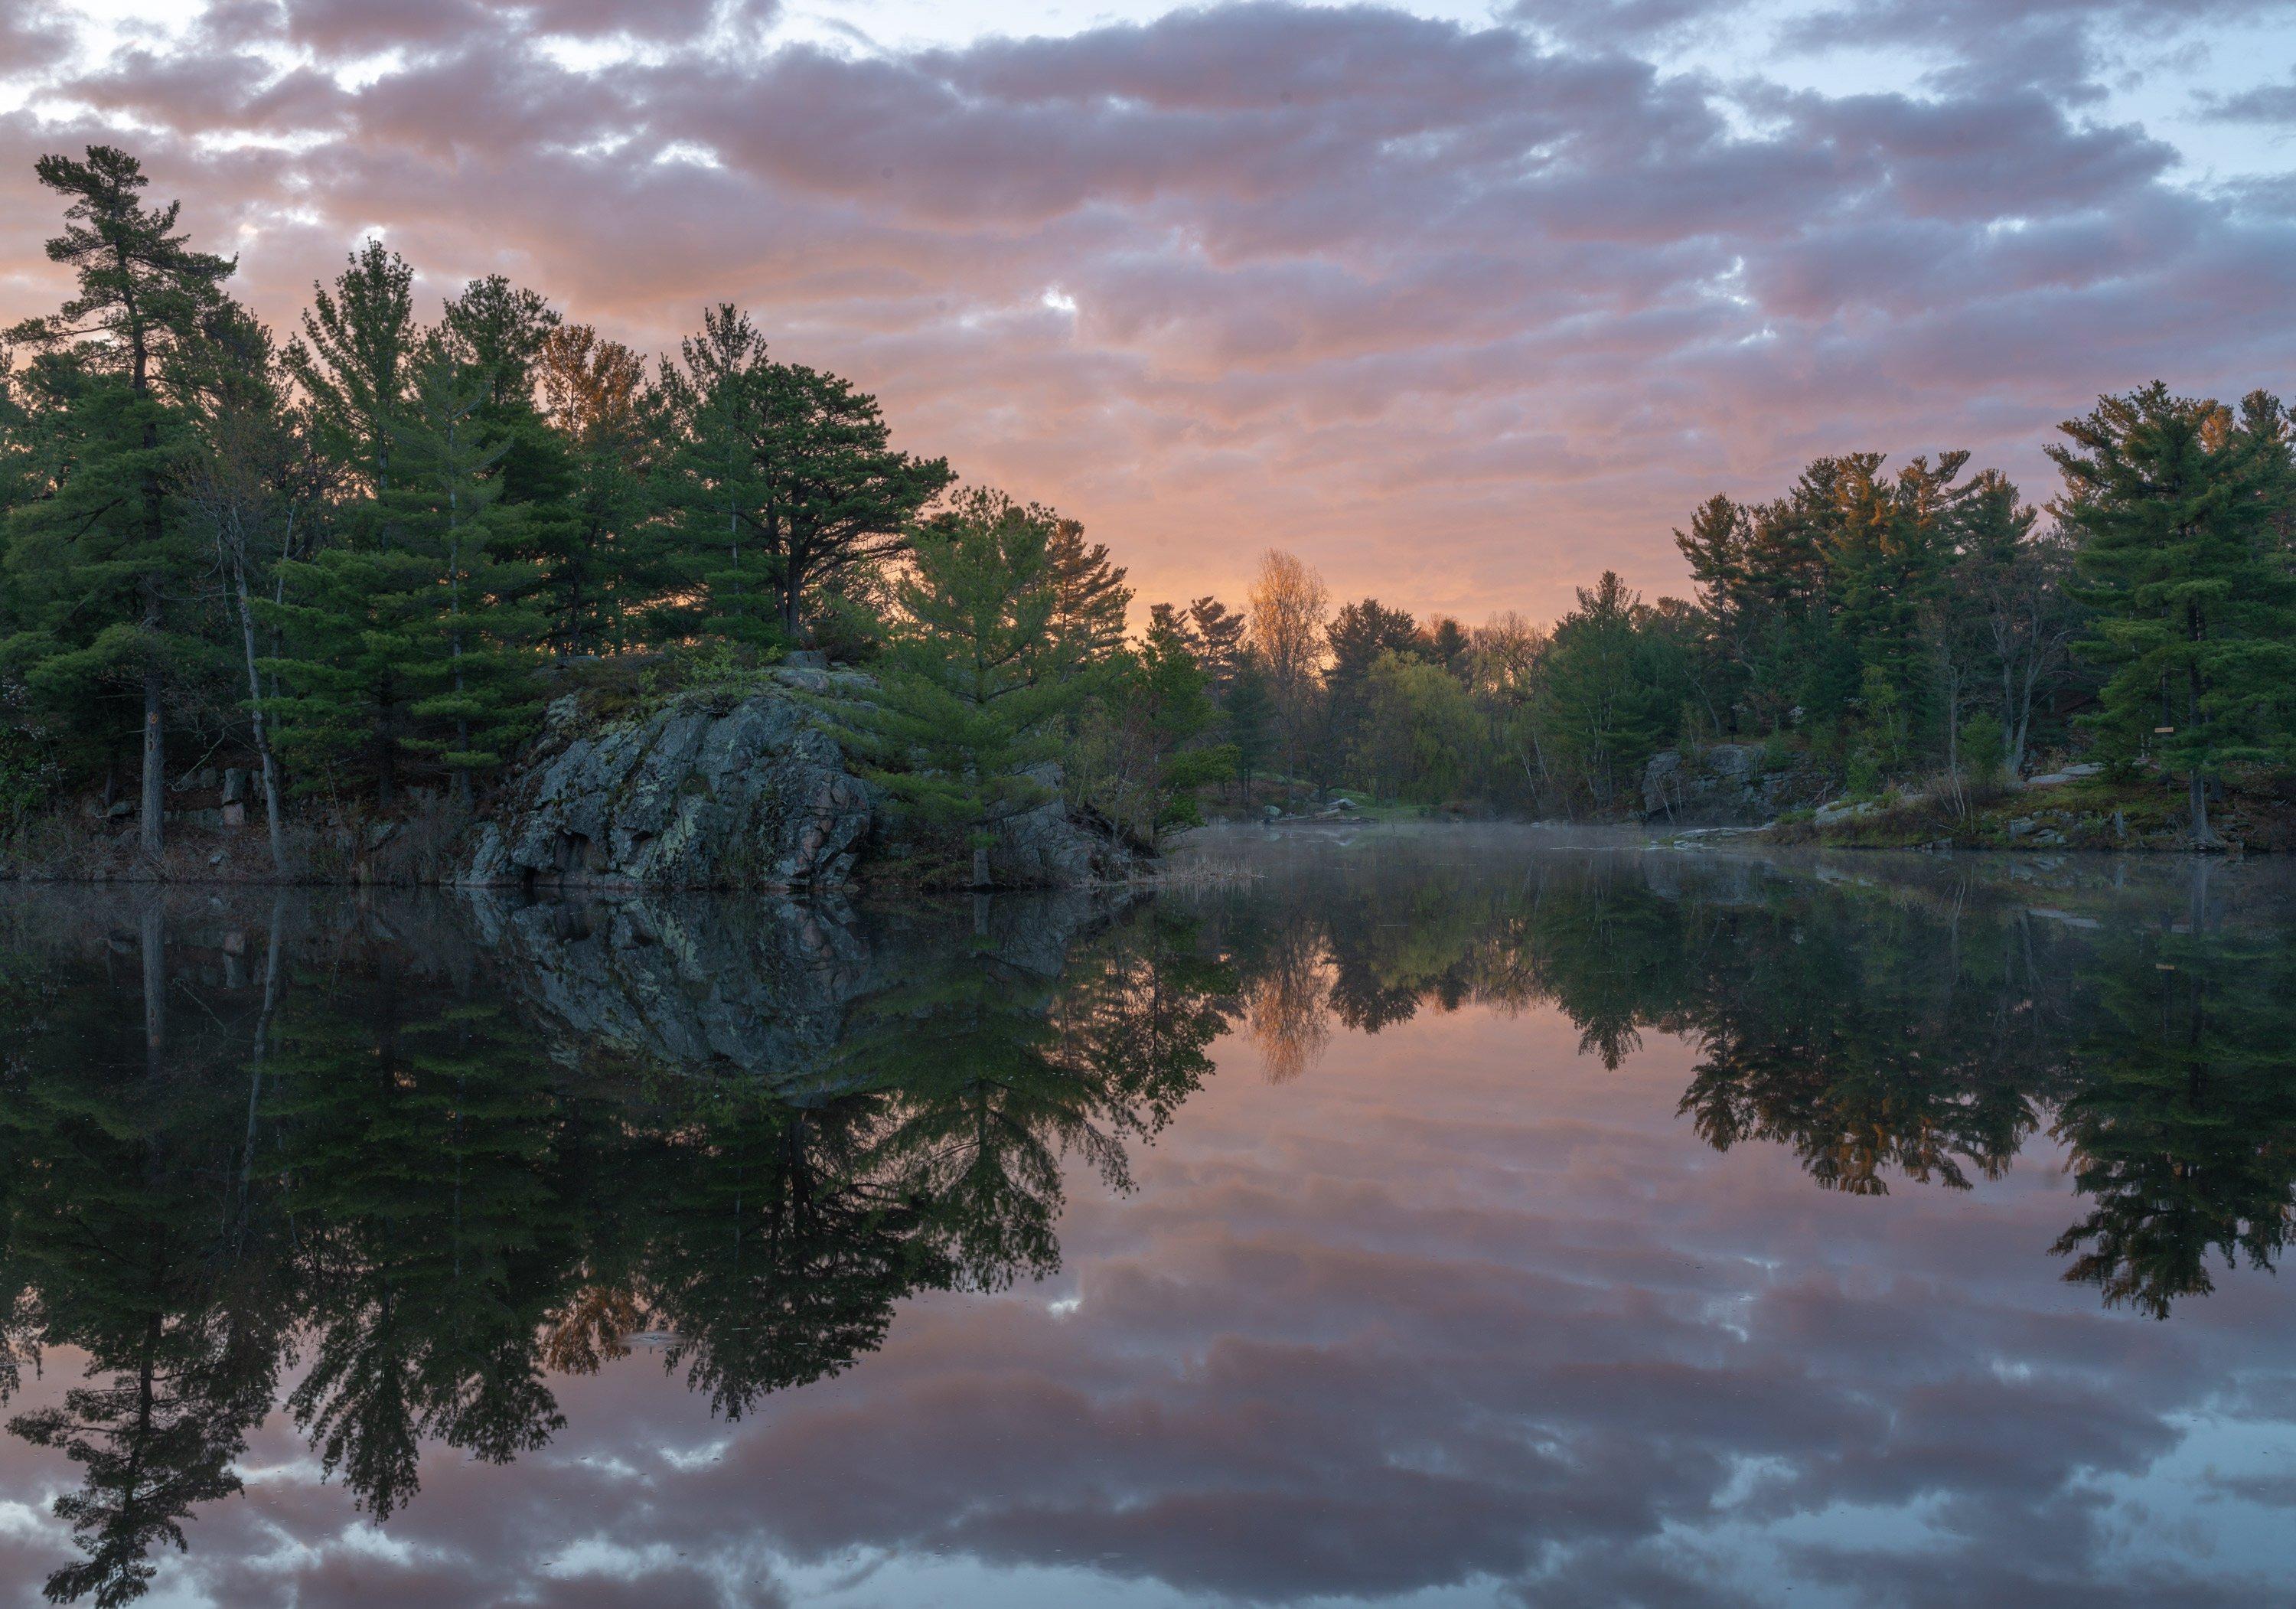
[155, 764]
[262, 739]
[980, 867]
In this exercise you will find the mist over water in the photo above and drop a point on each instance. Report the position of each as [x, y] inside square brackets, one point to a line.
[1456, 1216]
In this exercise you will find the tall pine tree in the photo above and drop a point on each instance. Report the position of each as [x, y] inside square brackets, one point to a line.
[104, 558]
[2175, 504]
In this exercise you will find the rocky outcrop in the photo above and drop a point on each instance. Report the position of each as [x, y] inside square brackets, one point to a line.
[1050, 847]
[717, 789]
[736, 789]
[1728, 784]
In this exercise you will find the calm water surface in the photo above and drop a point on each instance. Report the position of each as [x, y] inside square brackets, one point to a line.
[1446, 1219]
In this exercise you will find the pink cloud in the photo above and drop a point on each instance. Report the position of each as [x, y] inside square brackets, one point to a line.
[1343, 280]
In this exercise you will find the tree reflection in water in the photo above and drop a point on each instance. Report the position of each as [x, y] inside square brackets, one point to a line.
[381, 1165]
[1923, 1026]
[423, 1158]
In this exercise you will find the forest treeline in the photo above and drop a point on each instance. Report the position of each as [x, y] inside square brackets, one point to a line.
[360, 560]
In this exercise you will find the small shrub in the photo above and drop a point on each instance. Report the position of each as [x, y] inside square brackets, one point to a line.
[1981, 748]
[1863, 779]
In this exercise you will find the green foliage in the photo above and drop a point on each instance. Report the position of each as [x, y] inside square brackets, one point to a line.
[1982, 747]
[1146, 747]
[974, 686]
[100, 559]
[1423, 739]
[412, 644]
[782, 482]
[1612, 687]
[1251, 722]
[354, 361]
[388, 542]
[2177, 506]
[1863, 779]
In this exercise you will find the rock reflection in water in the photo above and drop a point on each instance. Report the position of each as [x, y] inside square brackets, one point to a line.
[403, 1168]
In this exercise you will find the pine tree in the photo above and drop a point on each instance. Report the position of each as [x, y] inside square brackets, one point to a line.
[976, 686]
[1715, 547]
[1359, 634]
[605, 566]
[1443, 642]
[783, 480]
[2174, 502]
[1092, 597]
[251, 479]
[1219, 636]
[711, 482]
[499, 331]
[412, 645]
[1251, 713]
[354, 361]
[105, 554]
[1145, 747]
[448, 508]
[1614, 688]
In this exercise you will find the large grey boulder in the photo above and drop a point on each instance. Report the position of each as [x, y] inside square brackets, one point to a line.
[717, 789]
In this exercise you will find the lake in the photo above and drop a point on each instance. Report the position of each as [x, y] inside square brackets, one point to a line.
[1447, 1217]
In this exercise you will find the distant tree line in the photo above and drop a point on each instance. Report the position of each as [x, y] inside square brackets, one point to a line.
[1878, 625]
[362, 560]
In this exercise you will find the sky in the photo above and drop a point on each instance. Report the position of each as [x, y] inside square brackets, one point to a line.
[1461, 302]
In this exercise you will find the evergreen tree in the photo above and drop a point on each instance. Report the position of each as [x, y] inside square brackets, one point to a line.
[1613, 687]
[793, 466]
[1358, 634]
[2174, 503]
[499, 331]
[104, 558]
[1251, 722]
[1443, 642]
[412, 644]
[448, 509]
[600, 566]
[354, 361]
[252, 478]
[976, 685]
[1157, 718]
[712, 483]
[1716, 548]
[1219, 641]
[1092, 597]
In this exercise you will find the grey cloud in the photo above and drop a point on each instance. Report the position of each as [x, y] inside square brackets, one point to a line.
[2268, 104]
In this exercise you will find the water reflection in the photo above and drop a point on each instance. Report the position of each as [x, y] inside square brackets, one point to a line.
[1911, 1023]
[407, 1169]
[348, 1139]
